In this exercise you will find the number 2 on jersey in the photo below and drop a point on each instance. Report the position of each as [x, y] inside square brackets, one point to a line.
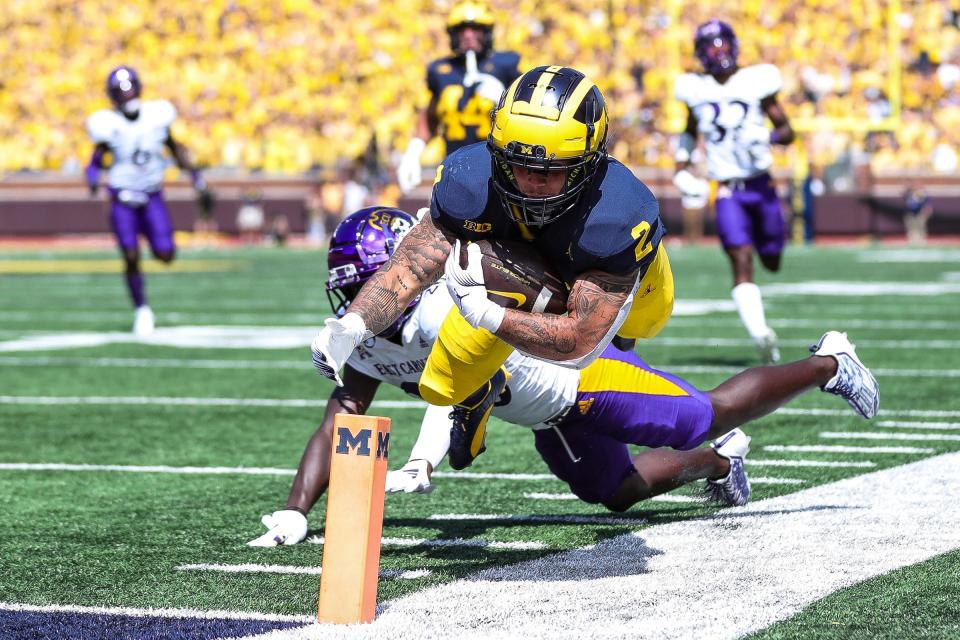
[641, 233]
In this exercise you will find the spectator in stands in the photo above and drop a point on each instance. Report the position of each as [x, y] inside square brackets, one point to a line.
[917, 212]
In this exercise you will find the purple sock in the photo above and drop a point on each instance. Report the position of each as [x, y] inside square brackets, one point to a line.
[135, 286]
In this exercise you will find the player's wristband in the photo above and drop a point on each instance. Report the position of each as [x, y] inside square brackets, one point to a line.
[198, 182]
[774, 137]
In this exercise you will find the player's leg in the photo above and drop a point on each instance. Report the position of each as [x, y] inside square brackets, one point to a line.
[159, 229]
[735, 229]
[125, 223]
[834, 367]
[770, 233]
[464, 369]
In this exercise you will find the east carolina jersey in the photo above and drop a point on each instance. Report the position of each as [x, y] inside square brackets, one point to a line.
[463, 113]
[615, 227]
[537, 391]
[726, 113]
[136, 145]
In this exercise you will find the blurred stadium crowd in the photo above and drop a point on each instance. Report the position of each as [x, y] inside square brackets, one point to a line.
[295, 86]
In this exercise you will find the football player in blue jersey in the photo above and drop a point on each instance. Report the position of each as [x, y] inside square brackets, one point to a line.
[543, 177]
[464, 88]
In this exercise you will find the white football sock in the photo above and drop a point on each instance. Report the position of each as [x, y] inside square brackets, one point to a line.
[434, 437]
[746, 296]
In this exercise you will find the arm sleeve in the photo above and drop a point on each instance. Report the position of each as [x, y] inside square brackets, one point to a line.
[434, 437]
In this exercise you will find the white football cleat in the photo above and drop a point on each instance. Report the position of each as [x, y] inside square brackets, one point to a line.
[143, 321]
[769, 349]
[413, 477]
[853, 381]
[734, 489]
[285, 527]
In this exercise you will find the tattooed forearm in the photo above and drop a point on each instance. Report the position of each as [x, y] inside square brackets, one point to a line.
[593, 305]
[415, 265]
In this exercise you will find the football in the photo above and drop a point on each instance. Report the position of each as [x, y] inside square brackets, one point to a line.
[517, 277]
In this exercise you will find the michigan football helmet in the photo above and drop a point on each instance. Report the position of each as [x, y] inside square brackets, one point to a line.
[474, 14]
[550, 119]
[361, 243]
[716, 46]
[123, 88]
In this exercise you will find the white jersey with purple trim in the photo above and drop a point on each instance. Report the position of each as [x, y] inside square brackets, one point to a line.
[537, 390]
[136, 145]
[731, 120]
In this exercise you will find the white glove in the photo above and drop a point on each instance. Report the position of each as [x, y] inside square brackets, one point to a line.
[284, 527]
[468, 291]
[335, 342]
[689, 184]
[409, 171]
[413, 477]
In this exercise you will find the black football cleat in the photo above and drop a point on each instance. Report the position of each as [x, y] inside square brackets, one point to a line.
[469, 430]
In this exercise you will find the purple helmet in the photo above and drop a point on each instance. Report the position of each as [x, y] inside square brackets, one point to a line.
[361, 243]
[123, 87]
[709, 46]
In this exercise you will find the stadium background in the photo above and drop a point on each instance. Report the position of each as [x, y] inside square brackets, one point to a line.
[287, 96]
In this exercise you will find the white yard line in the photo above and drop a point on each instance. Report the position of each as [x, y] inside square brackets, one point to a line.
[195, 402]
[851, 464]
[523, 545]
[891, 424]
[654, 583]
[839, 448]
[821, 324]
[287, 569]
[303, 365]
[873, 435]
[271, 471]
[684, 370]
[381, 404]
[860, 342]
[159, 613]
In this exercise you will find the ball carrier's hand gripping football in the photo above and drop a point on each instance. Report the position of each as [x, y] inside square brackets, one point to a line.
[501, 274]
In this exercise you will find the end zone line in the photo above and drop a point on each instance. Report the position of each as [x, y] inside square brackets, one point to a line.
[158, 613]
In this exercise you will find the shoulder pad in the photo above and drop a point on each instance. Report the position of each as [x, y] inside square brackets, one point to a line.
[623, 223]
[161, 112]
[685, 88]
[461, 190]
[766, 79]
[100, 125]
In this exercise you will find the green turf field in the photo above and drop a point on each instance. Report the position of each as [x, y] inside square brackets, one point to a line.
[116, 537]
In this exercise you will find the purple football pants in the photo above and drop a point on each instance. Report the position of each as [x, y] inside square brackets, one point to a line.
[621, 401]
[129, 219]
[749, 213]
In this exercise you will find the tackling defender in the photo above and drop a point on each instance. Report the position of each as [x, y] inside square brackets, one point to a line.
[464, 88]
[729, 106]
[543, 177]
[582, 420]
[135, 133]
